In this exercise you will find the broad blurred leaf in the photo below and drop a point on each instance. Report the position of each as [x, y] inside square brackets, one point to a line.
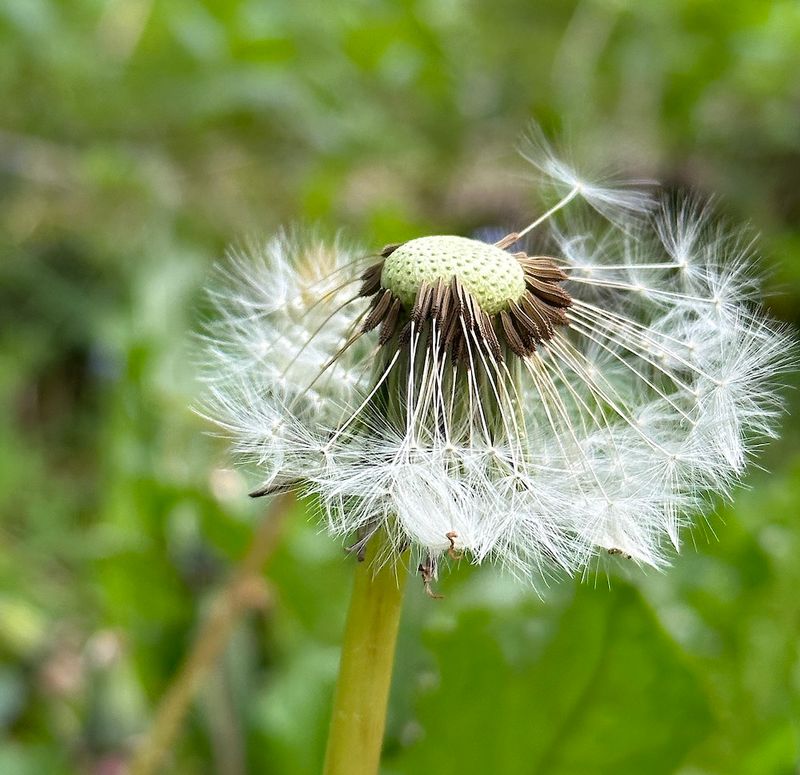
[611, 693]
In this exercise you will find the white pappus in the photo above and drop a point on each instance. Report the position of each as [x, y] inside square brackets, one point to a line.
[536, 409]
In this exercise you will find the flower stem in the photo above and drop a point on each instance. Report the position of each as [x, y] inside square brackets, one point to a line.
[365, 669]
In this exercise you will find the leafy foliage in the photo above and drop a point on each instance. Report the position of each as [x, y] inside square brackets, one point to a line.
[608, 693]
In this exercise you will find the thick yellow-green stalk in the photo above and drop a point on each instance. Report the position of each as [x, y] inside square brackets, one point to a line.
[365, 670]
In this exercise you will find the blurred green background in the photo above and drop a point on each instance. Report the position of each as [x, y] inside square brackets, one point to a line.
[137, 138]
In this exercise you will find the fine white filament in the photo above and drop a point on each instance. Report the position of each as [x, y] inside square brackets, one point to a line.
[605, 439]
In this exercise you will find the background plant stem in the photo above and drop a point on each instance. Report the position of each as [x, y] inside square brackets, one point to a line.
[365, 671]
[244, 590]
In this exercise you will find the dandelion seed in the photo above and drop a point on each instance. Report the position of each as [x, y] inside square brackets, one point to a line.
[476, 400]
[616, 200]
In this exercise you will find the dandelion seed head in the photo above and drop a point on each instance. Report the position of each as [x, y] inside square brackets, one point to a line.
[478, 398]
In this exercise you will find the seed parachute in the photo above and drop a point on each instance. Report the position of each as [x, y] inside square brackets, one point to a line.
[538, 408]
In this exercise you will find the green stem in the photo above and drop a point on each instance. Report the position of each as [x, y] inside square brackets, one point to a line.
[365, 670]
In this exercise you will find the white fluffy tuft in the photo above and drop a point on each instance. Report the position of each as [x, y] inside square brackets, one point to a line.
[609, 435]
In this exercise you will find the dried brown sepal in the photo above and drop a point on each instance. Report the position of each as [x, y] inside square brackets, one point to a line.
[527, 328]
[380, 307]
[387, 250]
[542, 268]
[532, 319]
[548, 292]
[404, 337]
[371, 280]
[451, 326]
[515, 341]
[438, 299]
[422, 304]
[556, 315]
[463, 299]
[488, 334]
[390, 322]
[533, 310]
[507, 241]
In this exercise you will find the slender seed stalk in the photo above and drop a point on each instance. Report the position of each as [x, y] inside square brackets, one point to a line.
[243, 591]
[365, 670]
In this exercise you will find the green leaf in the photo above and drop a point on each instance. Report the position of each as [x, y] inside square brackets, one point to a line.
[610, 693]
